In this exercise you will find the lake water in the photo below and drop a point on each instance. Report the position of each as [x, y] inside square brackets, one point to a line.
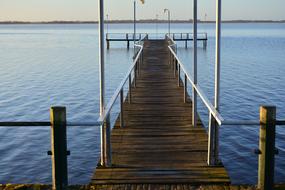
[46, 65]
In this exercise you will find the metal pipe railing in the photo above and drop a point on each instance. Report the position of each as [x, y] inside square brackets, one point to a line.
[104, 119]
[267, 124]
[197, 88]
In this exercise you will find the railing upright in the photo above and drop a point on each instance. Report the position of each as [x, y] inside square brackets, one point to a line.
[106, 152]
[130, 88]
[185, 88]
[122, 108]
[178, 78]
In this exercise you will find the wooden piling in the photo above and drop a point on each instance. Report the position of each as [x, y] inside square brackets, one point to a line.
[266, 148]
[108, 44]
[58, 148]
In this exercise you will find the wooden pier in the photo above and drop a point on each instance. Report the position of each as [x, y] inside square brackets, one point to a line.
[130, 37]
[158, 144]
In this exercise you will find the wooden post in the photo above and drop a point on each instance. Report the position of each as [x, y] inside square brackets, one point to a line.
[205, 44]
[58, 148]
[128, 42]
[106, 152]
[267, 148]
[108, 44]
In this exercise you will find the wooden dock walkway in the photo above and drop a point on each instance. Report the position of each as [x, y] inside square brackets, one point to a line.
[158, 144]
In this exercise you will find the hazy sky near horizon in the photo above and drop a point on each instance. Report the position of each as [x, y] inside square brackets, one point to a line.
[86, 10]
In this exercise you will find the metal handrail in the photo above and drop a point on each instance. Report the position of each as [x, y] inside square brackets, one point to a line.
[218, 117]
[111, 103]
[200, 92]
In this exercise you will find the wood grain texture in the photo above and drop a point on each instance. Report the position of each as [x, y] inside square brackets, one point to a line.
[158, 144]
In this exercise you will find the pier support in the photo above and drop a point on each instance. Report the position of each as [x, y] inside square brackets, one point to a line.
[204, 44]
[266, 148]
[108, 44]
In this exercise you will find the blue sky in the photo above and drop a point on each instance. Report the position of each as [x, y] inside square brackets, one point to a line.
[47, 10]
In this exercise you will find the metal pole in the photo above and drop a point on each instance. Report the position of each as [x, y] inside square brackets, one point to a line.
[121, 107]
[107, 24]
[156, 26]
[135, 23]
[194, 107]
[168, 12]
[213, 142]
[169, 22]
[185, 88]
[218, 55]
[101, 56]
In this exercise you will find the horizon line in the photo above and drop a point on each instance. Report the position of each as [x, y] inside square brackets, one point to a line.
[138, 21]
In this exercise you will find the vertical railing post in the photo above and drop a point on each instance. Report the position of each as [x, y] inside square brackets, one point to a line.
[170, 57]
[122, 107]
[213, 142]
[174, 66]
[58, 148]
[178, 78]
[135, 75]
[185, 88]
[266, 148]
[194, 93]
[130, 88]
[106, 152]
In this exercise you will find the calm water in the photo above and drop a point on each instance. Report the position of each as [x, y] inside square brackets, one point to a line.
[45, 65]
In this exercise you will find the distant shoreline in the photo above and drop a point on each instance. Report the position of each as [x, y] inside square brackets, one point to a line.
[139, 21]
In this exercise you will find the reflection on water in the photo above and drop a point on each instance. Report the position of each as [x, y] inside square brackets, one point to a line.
[45, 65]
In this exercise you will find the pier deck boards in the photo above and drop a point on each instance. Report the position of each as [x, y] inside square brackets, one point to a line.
[158, 144]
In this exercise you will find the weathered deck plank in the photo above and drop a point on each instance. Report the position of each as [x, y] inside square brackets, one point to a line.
[158, 144]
